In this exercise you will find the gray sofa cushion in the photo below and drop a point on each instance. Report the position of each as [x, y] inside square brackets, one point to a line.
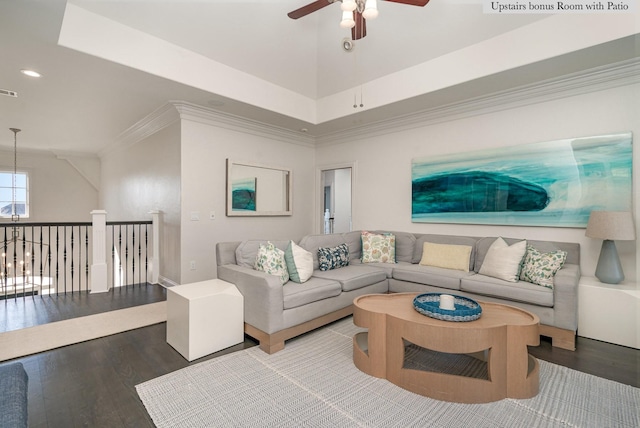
[520, 291]
[353, 276]
[430, 275]
[444, 239]
[247, 251]
[311, 243]
[386, 267]
[311, 291]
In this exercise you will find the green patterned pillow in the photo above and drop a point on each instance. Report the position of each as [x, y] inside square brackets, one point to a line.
[271, 260]
[540, 268]
[378, 248]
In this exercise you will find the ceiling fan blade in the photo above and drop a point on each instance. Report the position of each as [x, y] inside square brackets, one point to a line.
[310, 8]
[360, 29]
[420, 3]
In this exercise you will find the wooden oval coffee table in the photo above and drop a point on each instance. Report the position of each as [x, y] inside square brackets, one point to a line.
[501, 334]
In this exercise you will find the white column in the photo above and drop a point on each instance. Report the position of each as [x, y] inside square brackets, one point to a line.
[155, 252]
[99, 269]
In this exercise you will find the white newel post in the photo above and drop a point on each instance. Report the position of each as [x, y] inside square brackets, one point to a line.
[99, 269]
[155, 256]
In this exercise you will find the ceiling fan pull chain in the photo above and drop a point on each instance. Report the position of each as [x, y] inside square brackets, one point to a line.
[361, 103]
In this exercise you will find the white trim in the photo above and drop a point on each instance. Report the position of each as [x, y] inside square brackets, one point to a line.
[149, 125]
[166, 282]
[597, 79]
[206, 116]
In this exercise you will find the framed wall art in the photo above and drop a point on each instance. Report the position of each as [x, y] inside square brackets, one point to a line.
[553, 184]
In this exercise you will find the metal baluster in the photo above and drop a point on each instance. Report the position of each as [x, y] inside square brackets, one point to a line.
[41, 264]
[72, 260]
[49, 260]
[120, 253]
[113, 256]
[86, 269]
[64, 259]
[33, 261]
[146, 255]
[139, 253]
[133, 258]
[58, 260]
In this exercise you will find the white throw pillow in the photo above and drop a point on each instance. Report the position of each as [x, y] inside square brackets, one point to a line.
[503, 261]
[299, 263]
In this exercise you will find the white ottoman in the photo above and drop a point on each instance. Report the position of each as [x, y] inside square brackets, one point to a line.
[204, 317]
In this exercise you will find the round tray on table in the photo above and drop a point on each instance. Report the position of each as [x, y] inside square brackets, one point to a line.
[465, 309]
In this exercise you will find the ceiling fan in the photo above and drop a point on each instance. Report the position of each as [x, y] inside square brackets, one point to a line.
[355, 13]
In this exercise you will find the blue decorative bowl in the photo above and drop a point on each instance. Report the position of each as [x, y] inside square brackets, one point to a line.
[465, 309]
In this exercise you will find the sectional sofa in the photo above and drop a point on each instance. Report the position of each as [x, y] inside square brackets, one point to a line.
[275, 312]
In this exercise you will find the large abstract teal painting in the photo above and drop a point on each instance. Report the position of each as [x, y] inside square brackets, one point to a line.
[555, 183]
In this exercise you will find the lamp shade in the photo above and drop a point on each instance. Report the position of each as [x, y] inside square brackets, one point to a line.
[347, 20]
[370, 10]
[348, 5]
[613, 225]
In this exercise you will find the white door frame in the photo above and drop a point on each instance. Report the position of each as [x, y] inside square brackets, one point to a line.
[318, 216]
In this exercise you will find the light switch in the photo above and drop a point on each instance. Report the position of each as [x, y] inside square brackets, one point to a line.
[195, 216]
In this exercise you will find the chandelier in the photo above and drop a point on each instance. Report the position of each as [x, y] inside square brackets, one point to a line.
[368, 9]
[17, 255]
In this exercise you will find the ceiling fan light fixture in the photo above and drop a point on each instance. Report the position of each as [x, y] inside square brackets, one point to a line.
[370, 10]
[348, 5]
[347, 20]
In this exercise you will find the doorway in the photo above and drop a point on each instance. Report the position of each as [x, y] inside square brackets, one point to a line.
[336, 200]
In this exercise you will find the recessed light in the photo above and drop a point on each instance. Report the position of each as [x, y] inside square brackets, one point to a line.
[30, 73]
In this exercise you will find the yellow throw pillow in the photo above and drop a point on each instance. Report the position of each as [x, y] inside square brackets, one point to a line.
[446, 256]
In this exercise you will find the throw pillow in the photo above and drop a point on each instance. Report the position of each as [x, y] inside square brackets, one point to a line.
[333, 257]
[271, 260]
[378, 248]
[540, 268]
[446, 256]
[299, 263]
[503, 261]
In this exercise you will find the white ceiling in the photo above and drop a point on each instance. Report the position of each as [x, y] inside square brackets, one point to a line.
[125, 58]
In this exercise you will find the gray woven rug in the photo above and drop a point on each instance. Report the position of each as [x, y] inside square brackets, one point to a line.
[313, 383]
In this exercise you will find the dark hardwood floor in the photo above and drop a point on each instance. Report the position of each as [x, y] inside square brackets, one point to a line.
[92, 384]
[32, 310]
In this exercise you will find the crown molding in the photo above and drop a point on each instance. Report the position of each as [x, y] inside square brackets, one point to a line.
[206, 116]
[157, 120]
[596, 79]
[623, 73]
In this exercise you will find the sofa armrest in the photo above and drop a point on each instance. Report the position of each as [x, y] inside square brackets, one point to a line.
[263, 296]
[565, 297]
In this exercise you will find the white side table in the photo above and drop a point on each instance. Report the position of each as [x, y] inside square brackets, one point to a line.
[609, 312]
[204, 317]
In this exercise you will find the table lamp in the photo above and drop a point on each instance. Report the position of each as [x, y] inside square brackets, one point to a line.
[610, 226]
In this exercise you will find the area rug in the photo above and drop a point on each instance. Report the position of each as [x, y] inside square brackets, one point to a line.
[40, 338]
[314, 383]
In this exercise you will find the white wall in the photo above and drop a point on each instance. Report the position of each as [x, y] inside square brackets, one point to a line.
[144, 177]
[57, 191]
[382, 188]
[205, 148]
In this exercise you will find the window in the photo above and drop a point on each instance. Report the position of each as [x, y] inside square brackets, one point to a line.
[11, 189]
